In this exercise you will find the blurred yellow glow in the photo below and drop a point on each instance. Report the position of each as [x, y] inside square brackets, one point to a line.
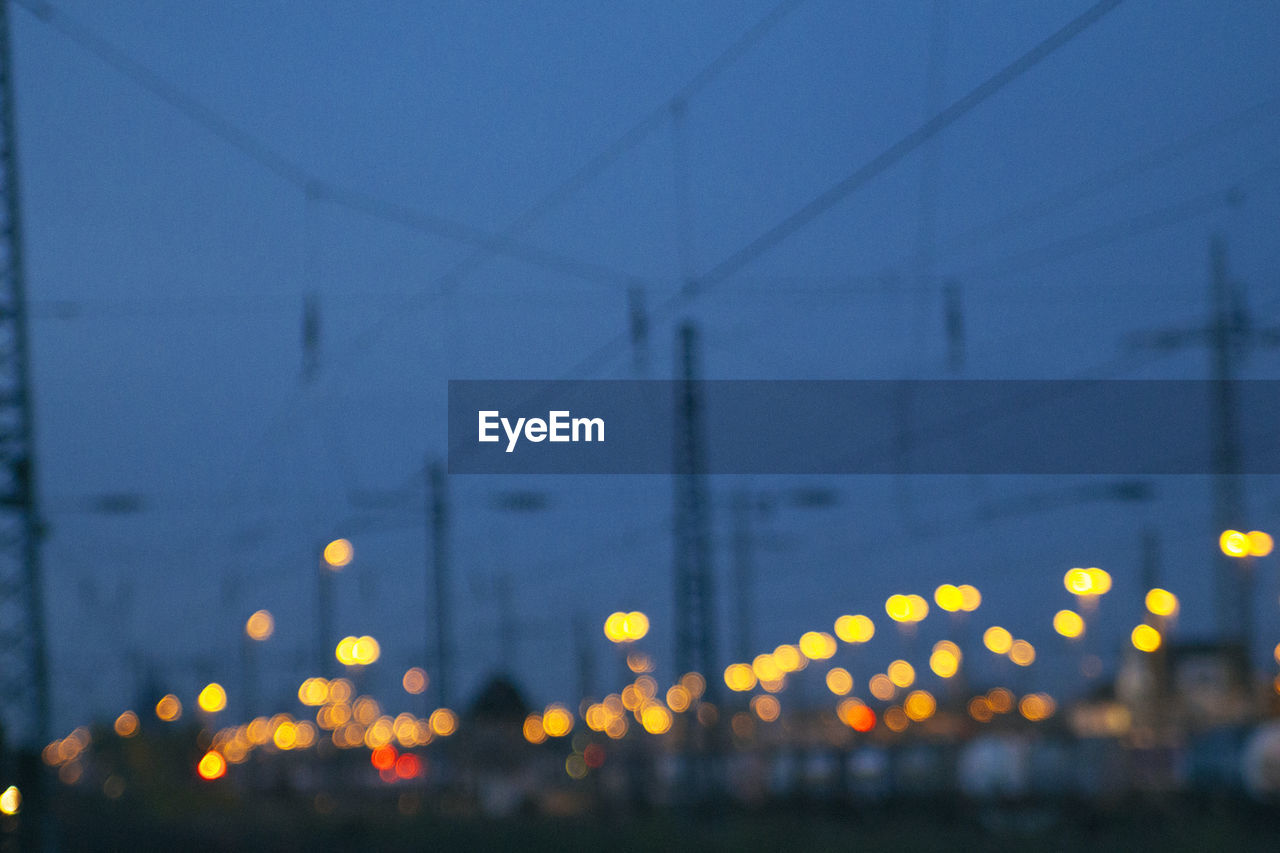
[1068, 623]
[1022, 653]
[788, 658]
[1260, 544]
[855, 628]
[379, 734]
[285, 736]
[919, 705]
[212, 766]
[1145, 638]
[127, 724]
[10, 800]
[415, 680]
[304, 734]
[260, 626]
[1234, 543]
[901, 673]
[169, 708]
[639, 662]
[340, 691]
[1161, 602]
[647, 685]
[997, 639]
[1078, 582]
[980, 709]
[1275, 653]
[313, 692]
[338, 553]
[365, 710]
[655, 718]
[557, 721]
[765, 668]
[443, 722]
[694, 683]
[898, 608]
[1000, 699]
[614, 627]
[970, 598]
[212, 699]
[948, 597]
[895, 719]
[1099, 581]
[817, 645]
[774, 685]
[635, 625]
[767, 708]
[1036, 706]
[631, 697]
[617, 728]
[532, 729]
[944, 663]
[881, 687]
[917, 608]
[839, 681]
[678, 698]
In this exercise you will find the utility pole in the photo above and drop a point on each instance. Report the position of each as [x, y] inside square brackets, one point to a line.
[438, 598]
[1229, 335]
[742, 507]
[24, 675]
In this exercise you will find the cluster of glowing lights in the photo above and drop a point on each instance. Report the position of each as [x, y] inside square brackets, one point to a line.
[626, 627]
[1161, 602]
[856, 715]
[1255, 543]
[338, 554]
[65, 752]
[357, 651]
[955, 599]
[1092, 581]
[998, 700]
[817, 645]
[260, 625]
[1037, 706]
[740, 677]
[212, 699]
[1145, 638]
[1068, 623]
[906, 608]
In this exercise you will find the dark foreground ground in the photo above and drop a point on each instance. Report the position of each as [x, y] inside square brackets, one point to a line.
[267, 823]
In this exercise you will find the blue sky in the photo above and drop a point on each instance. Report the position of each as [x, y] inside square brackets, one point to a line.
[167, 270]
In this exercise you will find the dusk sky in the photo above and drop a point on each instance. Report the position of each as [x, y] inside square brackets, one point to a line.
[166, 151]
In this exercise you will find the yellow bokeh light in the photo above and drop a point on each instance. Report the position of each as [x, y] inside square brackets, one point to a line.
[557, 721]
[970, 598]
[789, 658]
[635, 625]
[338, 553]
[917, 608]
[767, 708]
[443, 722]
[415, 680]
[765, 668]
[1068, 623]
[901, 673]
[260, 626]
[614, 627]
[895, 719]
[678, 698]
[997, 640]
[839, 681]
[1234, 543]
[1260, 544]
[1099, 581]
[855, 628]
[532, 729]
[817, 645]
[944, 663]
[655, 718]
[980, 709]
[948, 597]
[126, 724]
[212, 699]
[1145, 638]
[739, 677]
[10, 800]
[212, 765]
[313, 692]
[898, 608]
[881, 687]
[919, 705]
[169, 708]
[1036, 706]
[1000, 699]
[1022, 653]
[694, 683]
[1078, 582]
[285, 736]
[1161, 602]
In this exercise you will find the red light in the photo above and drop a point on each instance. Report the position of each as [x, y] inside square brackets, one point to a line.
[408, 766]
[862, 719]
[593, 755]
[383, 758]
